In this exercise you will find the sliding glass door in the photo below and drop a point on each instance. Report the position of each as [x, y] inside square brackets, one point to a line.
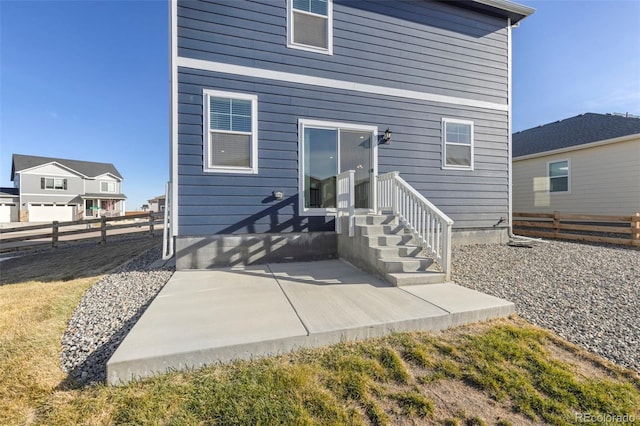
[327, 150]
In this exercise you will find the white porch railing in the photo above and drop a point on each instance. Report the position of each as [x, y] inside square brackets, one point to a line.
[345, 200]
[428, 224]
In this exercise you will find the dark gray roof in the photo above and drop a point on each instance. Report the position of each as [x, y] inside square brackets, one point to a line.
[574, 131]
[87, 168]
[9, 191]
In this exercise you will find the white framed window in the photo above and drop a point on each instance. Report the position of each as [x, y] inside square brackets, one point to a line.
[558, 174]
[106, 186]
[310, 25]
[457, 144]
[53, 183]
[230, 132]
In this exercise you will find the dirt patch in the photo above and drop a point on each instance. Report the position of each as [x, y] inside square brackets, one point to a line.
[73, 261]
[456, 400]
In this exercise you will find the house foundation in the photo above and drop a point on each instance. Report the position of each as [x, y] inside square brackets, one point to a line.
[230, 250]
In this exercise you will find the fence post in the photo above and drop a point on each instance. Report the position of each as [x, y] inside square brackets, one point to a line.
[556, 223]
[103, 229]
[150, 224]
[54, 234]
[635, 229]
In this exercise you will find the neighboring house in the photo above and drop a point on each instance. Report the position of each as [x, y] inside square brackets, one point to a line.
[272, 99]
[157, 204]
[9, 202]
[59, 189]
[588, 164]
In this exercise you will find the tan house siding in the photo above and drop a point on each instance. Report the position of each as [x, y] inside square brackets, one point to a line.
[603, 179]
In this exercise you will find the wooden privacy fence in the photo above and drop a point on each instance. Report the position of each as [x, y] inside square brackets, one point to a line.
[91, 228]
[624, 230]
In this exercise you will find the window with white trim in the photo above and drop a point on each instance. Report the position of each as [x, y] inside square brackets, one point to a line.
[558, 173]
[53, 183]
[310, 25]
[107, 187]
[457, 144]
[231, 132]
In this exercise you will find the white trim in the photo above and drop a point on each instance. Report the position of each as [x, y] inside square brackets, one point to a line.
[53, 163]
[173, 126]
[106, 174]
[206, 141]
[42, 194]
[620, 139]
[329, 17]
[220, 67]
[332, 125]
[444, 166]
[568, 191]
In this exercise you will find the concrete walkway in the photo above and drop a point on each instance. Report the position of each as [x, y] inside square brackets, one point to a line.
[203, 317]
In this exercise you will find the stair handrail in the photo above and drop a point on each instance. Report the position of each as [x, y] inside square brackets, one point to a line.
[345, 200]
[429, 225]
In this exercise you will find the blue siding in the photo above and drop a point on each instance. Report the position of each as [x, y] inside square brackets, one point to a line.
[220, 203]
[411, 44]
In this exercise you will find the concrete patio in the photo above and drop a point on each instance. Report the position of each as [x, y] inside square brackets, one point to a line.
[208, 316]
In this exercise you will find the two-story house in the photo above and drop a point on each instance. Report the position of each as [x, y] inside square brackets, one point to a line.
[64, 190]
[272, 100]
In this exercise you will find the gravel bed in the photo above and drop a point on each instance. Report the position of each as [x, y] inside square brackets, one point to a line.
[588, 294]
[106, 313]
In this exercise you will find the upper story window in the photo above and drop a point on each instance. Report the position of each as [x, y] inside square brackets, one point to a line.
[457, 144]
[231, 132]
[53, 183]
[310, 25]
[558, 173]
[107, 187]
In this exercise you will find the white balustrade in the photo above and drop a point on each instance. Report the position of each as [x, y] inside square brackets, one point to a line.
[345, 200]
[428, 224]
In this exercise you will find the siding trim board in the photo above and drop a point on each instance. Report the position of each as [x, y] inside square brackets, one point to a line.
[267, 74]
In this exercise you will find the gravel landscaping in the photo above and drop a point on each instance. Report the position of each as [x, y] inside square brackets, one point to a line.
[587, 294]
[106, 313]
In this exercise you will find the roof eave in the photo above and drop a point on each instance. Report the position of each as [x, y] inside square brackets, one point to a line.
[594, 144]
[505, 8]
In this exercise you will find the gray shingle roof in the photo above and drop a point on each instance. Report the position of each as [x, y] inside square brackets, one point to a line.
[574, 131]
[87, 168]
[9, 192]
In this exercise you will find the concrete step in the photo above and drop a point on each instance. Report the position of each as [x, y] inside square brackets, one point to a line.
[389, 240]
[393, 229]
[405, 264]
[415, 278]
[371, 219]
[386, 252]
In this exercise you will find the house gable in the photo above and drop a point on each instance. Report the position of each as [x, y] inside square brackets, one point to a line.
[51, 169]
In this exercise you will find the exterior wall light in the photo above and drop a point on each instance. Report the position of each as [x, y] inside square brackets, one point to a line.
[278, 195]
[386, 139]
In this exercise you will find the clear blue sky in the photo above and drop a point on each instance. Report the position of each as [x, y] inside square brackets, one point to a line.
[89, 79]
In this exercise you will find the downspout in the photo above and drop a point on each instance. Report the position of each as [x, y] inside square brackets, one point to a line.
[509, 126]
[173, 126]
